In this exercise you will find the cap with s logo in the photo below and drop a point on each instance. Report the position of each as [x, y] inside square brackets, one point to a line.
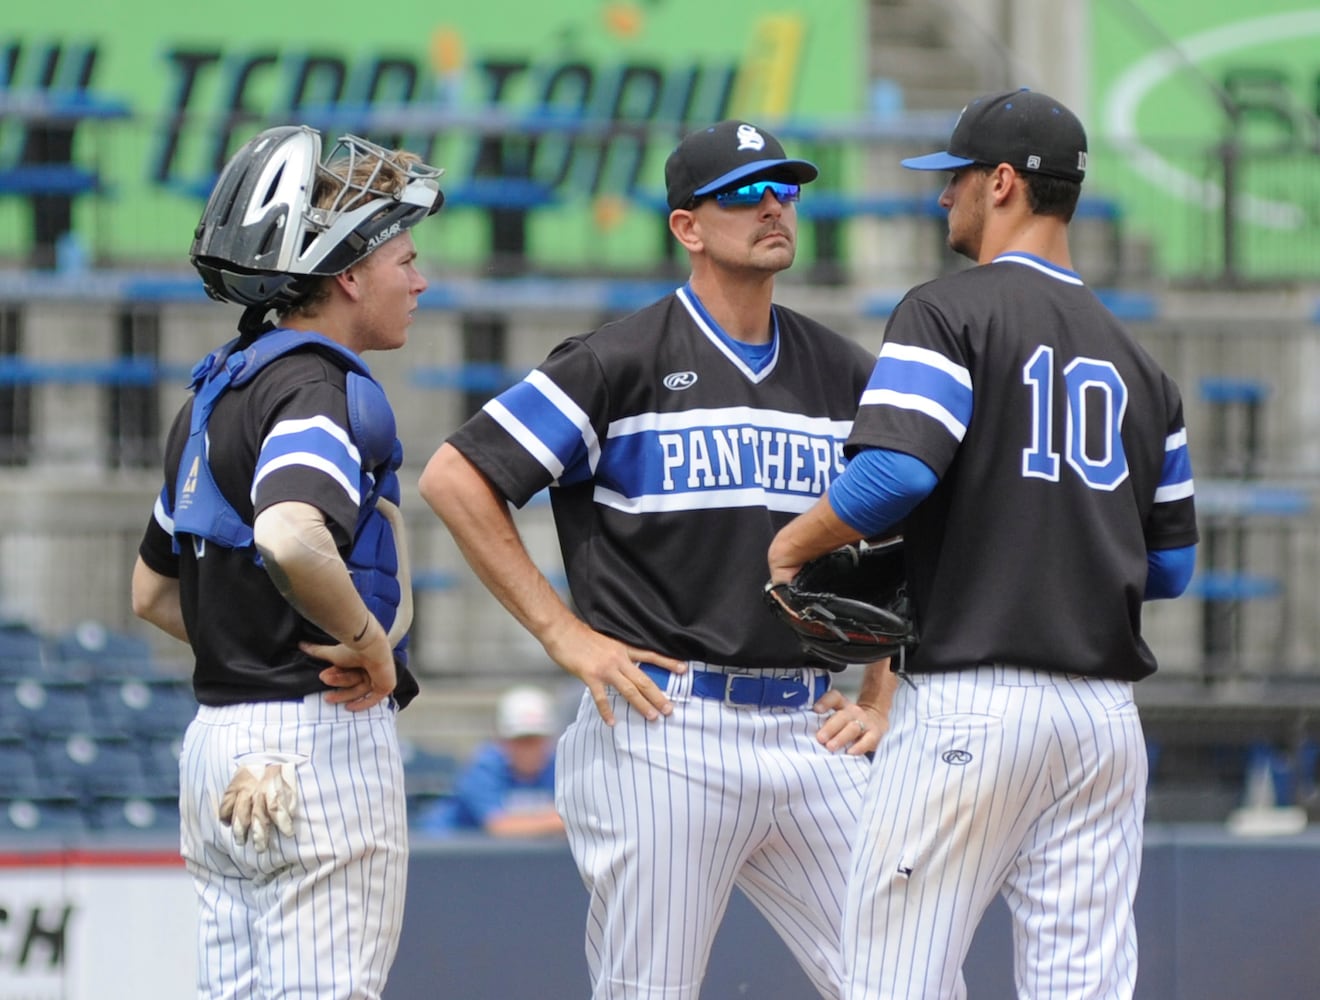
[714, 158]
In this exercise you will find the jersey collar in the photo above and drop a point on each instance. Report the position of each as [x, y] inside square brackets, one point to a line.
[1040, 264]
[727, 345]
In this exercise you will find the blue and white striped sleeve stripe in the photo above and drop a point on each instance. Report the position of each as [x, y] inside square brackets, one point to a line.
[923, 381]
[553, 429]
[314, 443]
[1176, 476]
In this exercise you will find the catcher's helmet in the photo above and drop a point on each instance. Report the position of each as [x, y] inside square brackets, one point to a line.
[850, 605]
[260, 237]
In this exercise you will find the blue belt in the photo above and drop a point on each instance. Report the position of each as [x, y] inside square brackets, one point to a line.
[749, 690]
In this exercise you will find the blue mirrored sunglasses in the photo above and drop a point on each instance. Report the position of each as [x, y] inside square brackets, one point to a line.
[751, 194]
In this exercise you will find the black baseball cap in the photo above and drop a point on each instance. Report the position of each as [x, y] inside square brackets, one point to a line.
[714, 158]
[1028, 130]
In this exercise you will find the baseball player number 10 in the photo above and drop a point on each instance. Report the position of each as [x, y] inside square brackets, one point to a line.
[1095, 392]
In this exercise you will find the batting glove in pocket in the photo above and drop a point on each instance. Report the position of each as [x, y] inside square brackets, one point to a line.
[263, 793]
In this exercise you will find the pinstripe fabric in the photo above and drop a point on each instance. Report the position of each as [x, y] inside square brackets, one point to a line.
[317, 918]
[665, 818]
[1006, 780]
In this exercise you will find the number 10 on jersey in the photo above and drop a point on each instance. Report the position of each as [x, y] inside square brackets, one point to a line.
[1096, 402]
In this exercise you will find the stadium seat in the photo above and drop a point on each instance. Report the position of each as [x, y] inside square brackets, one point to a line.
[161, 759]
[429, 813]
[134, 815]
[426, 773]
[43, 818]
[20, 777]
[13, 719]
[38, 709]
[94, 651]
[144, 709]
[88, 768]
[23, 652]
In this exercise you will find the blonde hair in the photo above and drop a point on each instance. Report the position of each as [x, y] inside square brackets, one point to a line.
[363, 173]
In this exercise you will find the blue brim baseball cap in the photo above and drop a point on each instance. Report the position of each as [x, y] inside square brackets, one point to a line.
[714, 158]
[1030, 131]
[937, 161]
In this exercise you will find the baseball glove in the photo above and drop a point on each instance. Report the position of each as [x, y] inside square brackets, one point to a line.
[849, 605]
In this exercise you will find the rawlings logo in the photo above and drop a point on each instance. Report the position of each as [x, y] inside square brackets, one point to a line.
[957, 757]
[680, 380]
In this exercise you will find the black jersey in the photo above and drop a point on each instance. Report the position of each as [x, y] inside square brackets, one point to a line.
[672, 465]
[284, 436]
[1062, 457]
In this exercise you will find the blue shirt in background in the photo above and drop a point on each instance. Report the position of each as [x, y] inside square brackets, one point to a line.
[487, 786]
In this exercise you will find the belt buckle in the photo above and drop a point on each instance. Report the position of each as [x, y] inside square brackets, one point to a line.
[734, 674]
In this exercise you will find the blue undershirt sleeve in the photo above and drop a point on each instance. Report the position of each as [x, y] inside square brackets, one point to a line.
[879, 488]
[1168, 571]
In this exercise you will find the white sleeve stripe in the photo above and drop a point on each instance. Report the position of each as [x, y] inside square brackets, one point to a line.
[520, 433]
[1175, 491]
[574, 413]
[162, 518]
[919, 404]
[931, 359]
[321, 423]
[307, 460]
[728, 416]
[1176, 440]
[708, 500]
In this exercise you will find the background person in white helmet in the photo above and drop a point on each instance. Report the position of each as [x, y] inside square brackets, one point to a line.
[507, 786]
[275, 550]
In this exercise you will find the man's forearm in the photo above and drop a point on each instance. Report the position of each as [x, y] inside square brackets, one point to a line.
[878, 686]
[156, 600]
[302, 560]
[810, 534]
[479, 521]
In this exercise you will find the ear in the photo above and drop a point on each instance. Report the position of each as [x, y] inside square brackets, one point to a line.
[686, 229]
[1001, 183]
[349, 283]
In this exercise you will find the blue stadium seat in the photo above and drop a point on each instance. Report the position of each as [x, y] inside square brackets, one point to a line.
[95, 651]
[20, 777]
[23, 652]
[38, 709]
[91, 769]
[41, 818]
[429, 813]
[161, 758]
[144, 709]
[426, 773]
[134, 815]
[13, 719]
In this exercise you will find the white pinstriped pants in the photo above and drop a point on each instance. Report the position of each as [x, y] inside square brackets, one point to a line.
[317, 916]
[664, 818]
[1000, 779]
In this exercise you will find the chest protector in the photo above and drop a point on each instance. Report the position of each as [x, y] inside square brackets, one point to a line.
[201, 510]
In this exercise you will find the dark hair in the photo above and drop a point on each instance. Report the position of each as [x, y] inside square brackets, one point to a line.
[1052, 195]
